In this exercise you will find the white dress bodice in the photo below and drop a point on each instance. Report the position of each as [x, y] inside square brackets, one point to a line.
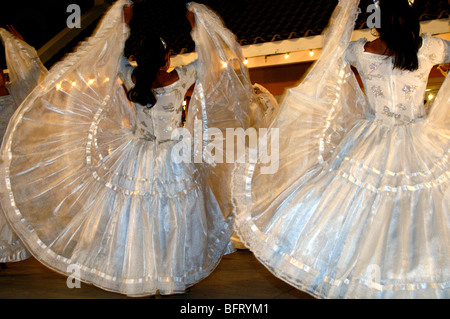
[395, 96]
[158, 122]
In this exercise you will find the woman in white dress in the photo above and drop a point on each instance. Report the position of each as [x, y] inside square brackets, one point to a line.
[25, 71]
[90, 182]
[359, 205]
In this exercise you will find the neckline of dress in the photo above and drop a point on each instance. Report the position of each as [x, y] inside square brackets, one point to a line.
[382, 56]
[169, 86]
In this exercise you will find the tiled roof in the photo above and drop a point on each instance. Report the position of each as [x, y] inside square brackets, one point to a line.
[252, 21]
[38, 21]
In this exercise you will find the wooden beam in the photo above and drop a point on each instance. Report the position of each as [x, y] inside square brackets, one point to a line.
[299, 50]
[59, 41]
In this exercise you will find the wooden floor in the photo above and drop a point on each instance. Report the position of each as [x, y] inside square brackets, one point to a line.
[238, 276]
[30, 288]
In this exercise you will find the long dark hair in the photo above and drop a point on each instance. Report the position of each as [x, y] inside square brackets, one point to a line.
[150, 58]
[400, 30]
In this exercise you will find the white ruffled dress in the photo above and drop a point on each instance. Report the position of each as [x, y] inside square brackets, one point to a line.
[359, 205]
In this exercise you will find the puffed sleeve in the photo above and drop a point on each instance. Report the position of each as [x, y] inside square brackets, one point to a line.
[353, 49]
[437, 50]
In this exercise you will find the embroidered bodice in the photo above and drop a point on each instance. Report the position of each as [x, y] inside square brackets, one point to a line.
[396, 97]
[159, 121]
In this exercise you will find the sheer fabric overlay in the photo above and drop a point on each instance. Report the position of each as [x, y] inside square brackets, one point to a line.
[85, 191]
[25, 71]
[224, 101]
[358, 207]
